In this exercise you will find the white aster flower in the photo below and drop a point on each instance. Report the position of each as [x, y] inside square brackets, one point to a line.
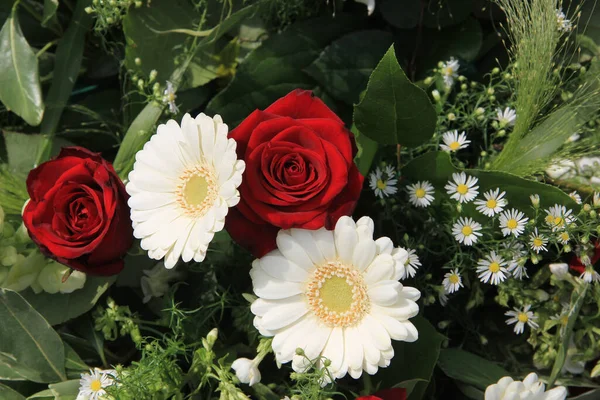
[155, 282]
[529, 389]
[383, 183]
[492, 269]
[516, 259]
[453, 141]
[420, 194]
[512, 222]
[506, 117]
[449, 71]
[520, 318]
[537, 241]
[246, 370]
[92, 385]
[493, 204]
[463, 188]
[411, 264]
[183, 182]
[334, 294]
[466, 231]
[169, 98]
[517, 268]
[452, 281]
[564, 24]
[590, 275]
[559, 217]
[563, 237]
[575, 196]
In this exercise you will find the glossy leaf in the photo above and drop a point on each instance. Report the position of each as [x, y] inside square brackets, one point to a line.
[394, 110]
[50, 7]
[469, 368]
[20, 89]
[6, 393]
[73, 363]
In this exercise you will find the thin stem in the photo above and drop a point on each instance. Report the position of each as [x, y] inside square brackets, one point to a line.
[45, 48]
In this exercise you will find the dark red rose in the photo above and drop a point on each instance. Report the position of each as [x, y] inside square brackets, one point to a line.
[387, 394]
[299, 171]
[78, 213]
[576, 265]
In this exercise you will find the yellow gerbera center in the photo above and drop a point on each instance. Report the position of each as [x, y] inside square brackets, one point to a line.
[95, 385]
[466, 230]
[454, 146]
[494, 267]
[196, 191]
[381, 184]
[453, 278]
[337, 294]
[491, 203]
[537, 242]
[512, 224]
[420, 193]
[523, 317]
[462, 189]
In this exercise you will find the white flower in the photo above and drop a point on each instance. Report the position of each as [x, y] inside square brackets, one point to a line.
[183, 182]
[336, 295]
[558, 217]
[564, 169]
[383, 186]
[520, 318]
[420, 194]
[563, 237]
[573, 138]
[466, 231]
[169, 98]
[492, 269]
[538, 241]
[506, 117]
[590, 275]
[370, 5]
[92, 385]
[535, 200]
[454, 142]
[560, 270]
[493, 204]
[155, 283]
[513, 222]
[463, 188]
[517, 269]
[411, 264]
[452, 281]
[529, 389]
[246, 371]
[449, 71]
[564, 24]
[516, 263]
[52, 279]
[575, 196]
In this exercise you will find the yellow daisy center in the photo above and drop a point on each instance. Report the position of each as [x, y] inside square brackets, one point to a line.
[511, 224]
[420, 193]
[453, 278]
[448, 71]
[462, 189]
[523, 317]
[564, 320]
[95, 385]
[549, 219]
[454, 146]
[337, 294]
[467, 230]
[537, 242]
[491, 203]
[494, 267]
[171, 97]
[558, 221]
[564, 236]
[196, 191]
[381, 184]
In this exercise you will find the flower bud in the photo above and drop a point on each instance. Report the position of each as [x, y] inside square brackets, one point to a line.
[479, 110]
[299, 351]
[463, 87]
[138, 61]
[501, 133]
[507, 76]
[436, 95]
[483, 153]
[535, 200]
[140, 83]
[567, 248]
[587, 208]
[110, 20]
[534, 259]
[246, 371]
[153, 75]
[88, 10]
[593, 214]
[560, 270]
[212, 336]
[490, 90]
[492, 98]
[495, 71]
[138, 4]
[428, 81]
[451, 117]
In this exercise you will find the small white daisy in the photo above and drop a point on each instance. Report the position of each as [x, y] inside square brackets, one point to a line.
[169, 98]
[383, 183]
[411, 264]
[466, 231]
[493, 204]
[463, 188]
[590, 275]
[92, 385]
[420, 194]
[520, 318]
[443, 298]
[575, 196]
[452, 281]
[559, 217]
[563, 238]
[564, 24]
[449, 71]
[517, 268]
[538, 241]
[453, 141]
[513, 222]
[492, 269]
[507, 117]
[516, 254]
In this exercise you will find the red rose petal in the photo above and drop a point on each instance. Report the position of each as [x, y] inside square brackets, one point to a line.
[302, 104]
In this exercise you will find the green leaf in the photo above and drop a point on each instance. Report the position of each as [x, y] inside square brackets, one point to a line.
[84, 326]
[22, 150]
[344, 67]
[6, 393]
[9, 374]
[65, 390]
[469, 368]
[439, 14]
[401, 14]
[275, 68]
[367, 149]
[461, 41]
[20, 89]
[394, 110]
[58, 308]
[29, 344]
[73, 362]
[50, 7]
[591, 395]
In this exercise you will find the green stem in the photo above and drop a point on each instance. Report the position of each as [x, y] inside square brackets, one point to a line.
[45, 48]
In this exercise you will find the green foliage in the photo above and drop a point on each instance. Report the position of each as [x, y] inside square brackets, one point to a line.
[469, 368]
[7, 393]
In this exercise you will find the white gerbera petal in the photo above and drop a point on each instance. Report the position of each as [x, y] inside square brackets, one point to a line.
[180, 190]
[529, 389]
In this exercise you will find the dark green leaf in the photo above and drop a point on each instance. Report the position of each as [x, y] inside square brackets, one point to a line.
[367, 149]
[401, 14]
[469, 368]
[591, 395]
[50, 7]
[20, 89]
[65, 390]
[21, 150]
[73, 362]
[85, 327]
[29, 344]
[462, 41]
[6, 393]
[439, 14]
[344, 67]
[394, 110]
[470, 391]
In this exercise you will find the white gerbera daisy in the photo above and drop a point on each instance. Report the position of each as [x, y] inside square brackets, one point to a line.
[537, 241]
[520, 318]
[452, 281]
[169, 98]
[336, 295]
[466, 231]
[183, 182]
[559, 217]
[564, 24]
[411, 264]
[492, 269]
[493, 204]
[506, 117]
[463, 188]
[420, 194]
[449, 71]
[92, 385]
[383, 183]
[575, 196]
[513, 222]
[530, 389]
[454, 142]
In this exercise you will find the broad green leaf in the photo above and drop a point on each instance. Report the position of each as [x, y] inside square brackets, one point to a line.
[470, 391]
[469, 368]
[344, 67]
[367, 149]
[439, 14]
[275, 68]
[401, 14]
[65, 390]
[22, 150]
[84, 326]
[394, 110]
[462, 41]
[20, 89]
[50, 7]
[6, 393]
[74, 363]
[29, 344]
[591, 395]
[9, 374]
[58, 308]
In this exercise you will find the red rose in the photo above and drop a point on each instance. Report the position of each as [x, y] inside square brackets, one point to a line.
[387, 394]
[299, 173]
[78, 212]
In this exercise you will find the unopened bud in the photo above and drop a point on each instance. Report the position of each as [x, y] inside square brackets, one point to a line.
[212, 336]
[535, 200]
[492, 98]
[560, 270]
[587, 207]
[507, 76]
[463, 87]
[428, 81]
[483, 153]
[88, 10]
[451, 117]
[567, 248]
[501, 133]
[495, 71]
[479, 110]
[436, 95]
[138, 61]
[153, 75]
[490, 90]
